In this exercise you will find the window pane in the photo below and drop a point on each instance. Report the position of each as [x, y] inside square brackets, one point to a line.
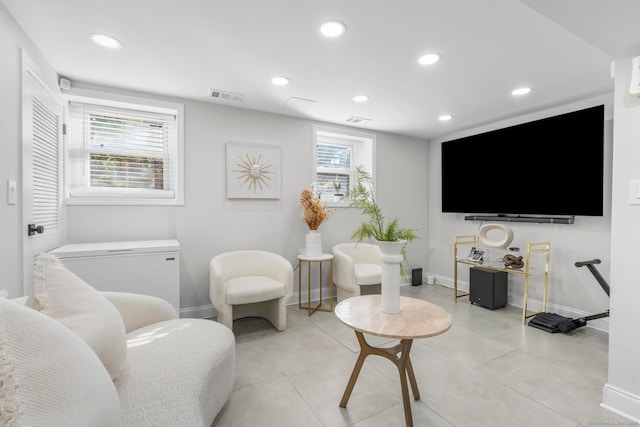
[110, 131]
[122, 142]
[333, 156]
[337, 156]
[126, 172]
[331, 184]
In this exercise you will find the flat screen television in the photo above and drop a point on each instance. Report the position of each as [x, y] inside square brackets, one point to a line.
[553, 166]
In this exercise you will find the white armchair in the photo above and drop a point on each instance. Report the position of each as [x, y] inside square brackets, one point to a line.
[356, 269]
[251, 283]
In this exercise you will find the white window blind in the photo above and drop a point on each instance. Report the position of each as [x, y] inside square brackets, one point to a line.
[338, 154]
[45, 167]
[119, 153]
[334, 160]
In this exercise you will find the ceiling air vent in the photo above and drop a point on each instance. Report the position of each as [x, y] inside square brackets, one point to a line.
[224, 95]
[300, 105]
[356, 119]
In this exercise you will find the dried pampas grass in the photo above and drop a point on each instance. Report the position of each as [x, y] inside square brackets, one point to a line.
[315, 212]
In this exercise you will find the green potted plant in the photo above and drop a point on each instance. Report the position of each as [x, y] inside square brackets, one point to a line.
[376, 227]
[337, 187]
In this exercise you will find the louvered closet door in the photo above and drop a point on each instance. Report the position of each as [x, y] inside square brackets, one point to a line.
[41, 168]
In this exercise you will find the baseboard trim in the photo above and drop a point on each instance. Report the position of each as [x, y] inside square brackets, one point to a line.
[200, 312]
[315, 294]
[208, 311]
[621, 402]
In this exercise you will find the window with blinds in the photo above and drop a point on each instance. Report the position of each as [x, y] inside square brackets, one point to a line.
[334, 167]
[338, 154]
[121, 155]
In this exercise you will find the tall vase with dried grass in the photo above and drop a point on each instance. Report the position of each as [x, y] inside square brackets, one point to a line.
[315, 213]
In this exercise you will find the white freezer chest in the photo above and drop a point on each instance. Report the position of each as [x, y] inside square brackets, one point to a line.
[150, 267]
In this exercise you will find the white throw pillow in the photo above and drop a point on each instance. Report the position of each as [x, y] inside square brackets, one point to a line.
[61, 294]
[49, 376]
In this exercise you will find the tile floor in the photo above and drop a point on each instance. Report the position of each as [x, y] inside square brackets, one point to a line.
[487, 370]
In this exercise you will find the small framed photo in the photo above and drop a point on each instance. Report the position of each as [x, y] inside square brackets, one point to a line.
[475, 255]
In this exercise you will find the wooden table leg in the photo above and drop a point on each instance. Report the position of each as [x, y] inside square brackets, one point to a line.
[356, 369]
[405, 369]
[402, 369]
[412, 379]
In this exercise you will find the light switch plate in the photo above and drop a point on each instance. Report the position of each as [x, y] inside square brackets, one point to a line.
[11, 192]
[634, 192]
[634, 89]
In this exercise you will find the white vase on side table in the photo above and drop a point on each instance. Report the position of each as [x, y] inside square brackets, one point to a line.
[391, 258]
[313, 244]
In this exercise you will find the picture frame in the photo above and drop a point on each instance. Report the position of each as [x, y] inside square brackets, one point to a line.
[254, 170]
[475, 255]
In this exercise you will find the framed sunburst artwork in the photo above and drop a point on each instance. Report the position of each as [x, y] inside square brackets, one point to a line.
[254, 171]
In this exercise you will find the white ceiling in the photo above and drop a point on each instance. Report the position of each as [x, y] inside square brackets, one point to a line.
[562, 49]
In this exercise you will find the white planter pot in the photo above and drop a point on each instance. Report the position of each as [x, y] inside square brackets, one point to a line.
[313, 244]
[391, 259]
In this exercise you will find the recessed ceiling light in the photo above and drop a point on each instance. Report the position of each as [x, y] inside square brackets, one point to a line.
[280, 81]
[332, 29]
[429, 59]
[445, 117]
[361, 98]
[105, 41]
[521, 91]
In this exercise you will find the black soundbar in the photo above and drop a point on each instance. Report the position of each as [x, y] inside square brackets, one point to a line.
[538, 219]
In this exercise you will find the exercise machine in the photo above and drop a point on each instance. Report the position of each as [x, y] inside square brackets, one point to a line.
[551, 322]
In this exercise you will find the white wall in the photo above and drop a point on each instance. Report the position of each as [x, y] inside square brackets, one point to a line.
[209, 223]
[573, 291]
[622, 392]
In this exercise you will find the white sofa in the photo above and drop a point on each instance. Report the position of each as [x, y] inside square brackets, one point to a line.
[172, 372]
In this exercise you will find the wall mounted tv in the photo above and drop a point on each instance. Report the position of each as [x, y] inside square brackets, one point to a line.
[553, 166]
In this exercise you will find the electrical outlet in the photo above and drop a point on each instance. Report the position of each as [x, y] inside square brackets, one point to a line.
[11, 192]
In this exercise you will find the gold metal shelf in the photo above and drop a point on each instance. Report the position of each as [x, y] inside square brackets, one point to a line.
[538, 248]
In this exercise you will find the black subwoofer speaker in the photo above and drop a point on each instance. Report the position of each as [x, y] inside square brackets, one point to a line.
[416, 277]
[488, 288]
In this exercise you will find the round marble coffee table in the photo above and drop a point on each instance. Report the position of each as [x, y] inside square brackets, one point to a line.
[416, 319]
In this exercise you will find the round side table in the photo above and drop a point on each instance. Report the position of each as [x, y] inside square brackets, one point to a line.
[416, 319]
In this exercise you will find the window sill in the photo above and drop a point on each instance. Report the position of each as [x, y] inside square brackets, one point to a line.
[336, 203]
[99, 201]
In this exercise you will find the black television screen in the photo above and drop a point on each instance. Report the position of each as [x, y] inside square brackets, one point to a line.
[552, 166]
